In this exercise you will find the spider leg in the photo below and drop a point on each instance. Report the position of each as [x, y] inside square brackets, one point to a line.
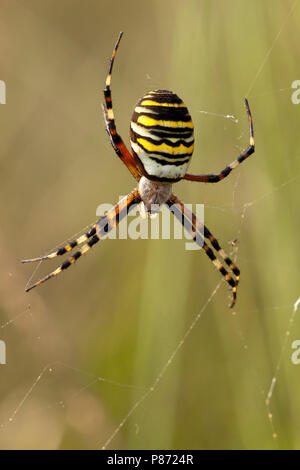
[65, 249]
[116, 140]
[199, 232]
[104, 225]
[234, 164]
[208, 235]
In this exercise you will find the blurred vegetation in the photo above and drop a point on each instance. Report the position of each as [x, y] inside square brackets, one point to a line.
[121, 311]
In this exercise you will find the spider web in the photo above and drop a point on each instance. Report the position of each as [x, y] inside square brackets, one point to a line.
[145, 392]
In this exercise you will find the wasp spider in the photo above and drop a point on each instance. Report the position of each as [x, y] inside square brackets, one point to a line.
[162, 143]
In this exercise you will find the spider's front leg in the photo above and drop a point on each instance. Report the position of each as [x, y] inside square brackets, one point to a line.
[234, 164]
[199, 231]
[104, 225]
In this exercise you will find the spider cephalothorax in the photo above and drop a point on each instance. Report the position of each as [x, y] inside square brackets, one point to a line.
[162, 142]
[154, 194]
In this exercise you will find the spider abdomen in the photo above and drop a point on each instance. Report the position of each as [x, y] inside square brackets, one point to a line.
[162, 136]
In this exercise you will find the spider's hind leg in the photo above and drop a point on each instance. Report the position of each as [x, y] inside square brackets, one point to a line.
[109, 119]
[224, 173]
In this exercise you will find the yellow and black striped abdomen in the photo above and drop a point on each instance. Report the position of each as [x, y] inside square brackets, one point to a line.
[162, 136]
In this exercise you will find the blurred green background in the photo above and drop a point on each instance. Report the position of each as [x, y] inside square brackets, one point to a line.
[121, 311]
